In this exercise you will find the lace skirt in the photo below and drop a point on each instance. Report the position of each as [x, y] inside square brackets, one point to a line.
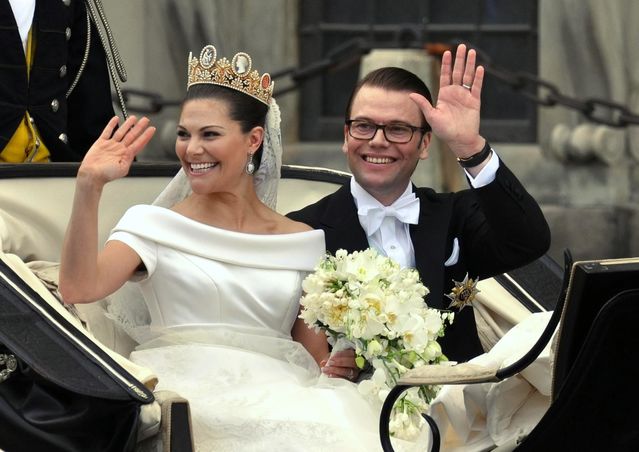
[256, 392]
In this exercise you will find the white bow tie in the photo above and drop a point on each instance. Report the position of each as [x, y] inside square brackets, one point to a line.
[405, 209]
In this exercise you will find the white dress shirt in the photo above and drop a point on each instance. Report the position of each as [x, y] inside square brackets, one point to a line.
[23, 13]
[392, 237]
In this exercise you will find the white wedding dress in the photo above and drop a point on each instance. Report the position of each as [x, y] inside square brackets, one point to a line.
[222, 305]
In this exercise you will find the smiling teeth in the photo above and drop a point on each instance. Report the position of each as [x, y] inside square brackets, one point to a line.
[202, 166]
[378, 159]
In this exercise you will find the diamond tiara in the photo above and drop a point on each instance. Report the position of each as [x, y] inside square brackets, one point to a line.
[236, 74]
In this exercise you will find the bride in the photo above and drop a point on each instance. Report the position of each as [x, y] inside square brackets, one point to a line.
[221, 273]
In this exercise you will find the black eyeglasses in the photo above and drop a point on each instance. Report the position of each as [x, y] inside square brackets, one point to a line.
[394, 133]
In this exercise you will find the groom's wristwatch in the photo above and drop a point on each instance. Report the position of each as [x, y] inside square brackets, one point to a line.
[476, 159]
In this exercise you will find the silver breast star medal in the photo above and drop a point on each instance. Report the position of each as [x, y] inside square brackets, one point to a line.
[463, 293]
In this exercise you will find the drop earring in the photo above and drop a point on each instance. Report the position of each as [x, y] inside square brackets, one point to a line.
[250, 166]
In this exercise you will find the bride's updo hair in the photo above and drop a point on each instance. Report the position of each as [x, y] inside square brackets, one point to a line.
[244, 109]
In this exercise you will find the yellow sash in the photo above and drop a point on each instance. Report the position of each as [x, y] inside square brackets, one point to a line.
[25, 144]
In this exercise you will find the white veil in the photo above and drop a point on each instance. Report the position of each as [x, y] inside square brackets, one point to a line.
[265, 179]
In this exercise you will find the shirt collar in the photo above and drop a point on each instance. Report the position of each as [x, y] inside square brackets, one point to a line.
[364, 200]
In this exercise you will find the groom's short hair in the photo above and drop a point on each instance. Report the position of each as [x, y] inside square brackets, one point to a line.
[392, 79]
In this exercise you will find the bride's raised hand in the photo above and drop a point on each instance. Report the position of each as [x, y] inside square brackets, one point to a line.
[111, 155]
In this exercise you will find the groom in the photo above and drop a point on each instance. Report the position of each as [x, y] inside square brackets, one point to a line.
[493, 227]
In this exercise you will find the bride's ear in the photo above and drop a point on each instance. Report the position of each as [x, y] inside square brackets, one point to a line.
[256, 136]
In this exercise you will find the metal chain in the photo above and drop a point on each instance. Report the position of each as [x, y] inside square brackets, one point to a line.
[142, 101]
[114, 61]
[117, 59]
[528, 85]
[547, 94]
[85, 57]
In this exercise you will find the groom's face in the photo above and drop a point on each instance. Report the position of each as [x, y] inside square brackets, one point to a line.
[381, 167]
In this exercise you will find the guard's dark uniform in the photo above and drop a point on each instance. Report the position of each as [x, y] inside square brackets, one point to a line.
[67, 126]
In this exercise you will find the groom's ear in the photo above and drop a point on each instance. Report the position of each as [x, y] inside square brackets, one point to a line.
[423, 146]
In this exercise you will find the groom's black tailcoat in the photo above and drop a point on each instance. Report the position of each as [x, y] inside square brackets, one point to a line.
[499, 227]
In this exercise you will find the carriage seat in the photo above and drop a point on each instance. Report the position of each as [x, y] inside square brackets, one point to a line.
[35, 205]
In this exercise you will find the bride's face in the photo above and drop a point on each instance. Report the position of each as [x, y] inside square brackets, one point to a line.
[212, 148]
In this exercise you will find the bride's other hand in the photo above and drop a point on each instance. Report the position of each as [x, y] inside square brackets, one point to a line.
[341, 365]
[111, 155]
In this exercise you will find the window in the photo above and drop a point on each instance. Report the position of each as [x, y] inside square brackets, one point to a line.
[503, 29]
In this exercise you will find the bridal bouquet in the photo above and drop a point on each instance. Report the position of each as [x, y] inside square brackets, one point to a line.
[370, 302]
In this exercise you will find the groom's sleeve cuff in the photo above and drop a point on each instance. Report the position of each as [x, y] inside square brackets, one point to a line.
[487, 173]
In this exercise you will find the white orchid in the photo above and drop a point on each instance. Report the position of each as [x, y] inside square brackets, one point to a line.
[372, 387]
[370, 301]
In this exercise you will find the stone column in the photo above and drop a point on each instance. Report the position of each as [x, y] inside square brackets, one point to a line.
[588, 49]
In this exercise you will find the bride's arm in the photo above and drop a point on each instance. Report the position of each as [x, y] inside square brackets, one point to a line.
[86, 275]
[314, 342]
[340, 364]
